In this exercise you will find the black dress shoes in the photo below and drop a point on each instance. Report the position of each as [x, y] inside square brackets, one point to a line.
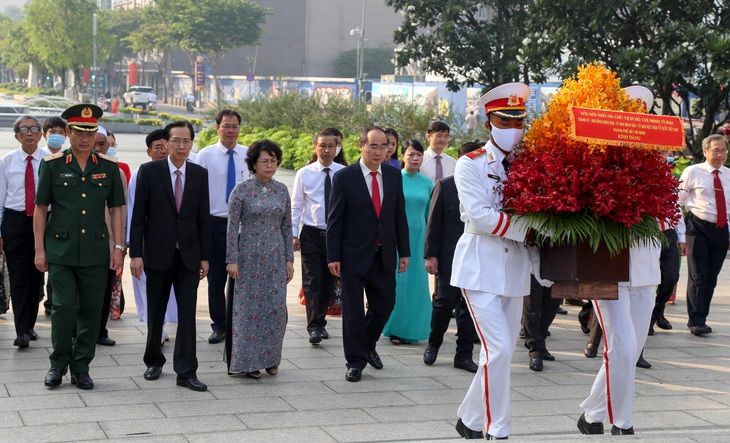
[548, 356]
[193, 384]
[325, 335]
[590, 351]
[663, 323]
[651, 331]
[589, 428]
[536, 364]
[429, 356]
[467, 365]
[467, 433]
[152, 373]
[561, 311]
[374, 360]
[22, 341]
[82, 380]
[618, 431]
[700, 330]
[641, 363]
[353, 374]
[216, 337]
[522, 333]
[33, 335]
[105, 341]
[54, 377]
[492, 437]
[315, 337]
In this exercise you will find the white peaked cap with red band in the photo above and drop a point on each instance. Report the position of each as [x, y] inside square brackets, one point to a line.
[506, 101]
[641, 92]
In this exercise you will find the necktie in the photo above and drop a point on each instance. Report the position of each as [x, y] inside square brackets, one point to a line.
[720, 201]
[29, 187]
[327, 189]
[439, 168]
[376, 193]
[505, 164]
[231, 174]
[178, 189]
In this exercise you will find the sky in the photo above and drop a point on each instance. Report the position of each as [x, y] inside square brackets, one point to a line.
[5, 3]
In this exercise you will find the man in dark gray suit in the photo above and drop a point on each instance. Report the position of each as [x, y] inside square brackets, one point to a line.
[367, 240]
[442, 232]
[170, 241]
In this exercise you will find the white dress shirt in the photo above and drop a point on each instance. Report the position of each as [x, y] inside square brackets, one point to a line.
[173, 176]
[214, 158]
[697, 190]
[12, 178]
[369, 180]
[428, 167]
[307, 200]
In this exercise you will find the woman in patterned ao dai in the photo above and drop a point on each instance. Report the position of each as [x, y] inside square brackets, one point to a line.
[260, 258]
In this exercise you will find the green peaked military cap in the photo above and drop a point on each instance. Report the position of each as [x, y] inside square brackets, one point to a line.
[84, 117]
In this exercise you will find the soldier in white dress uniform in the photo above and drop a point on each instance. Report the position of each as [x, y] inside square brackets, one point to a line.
[625, 324]
[491, 263]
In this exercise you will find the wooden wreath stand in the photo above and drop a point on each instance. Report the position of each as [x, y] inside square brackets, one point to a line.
[580, 273]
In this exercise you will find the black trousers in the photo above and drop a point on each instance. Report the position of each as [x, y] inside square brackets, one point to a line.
[447, 298]
[217, 274]
[185, 282]
[669, 267]
[361, 330]
[707, 245]
[110, 278]
[25, 279]
[538, 313]
[317, 281]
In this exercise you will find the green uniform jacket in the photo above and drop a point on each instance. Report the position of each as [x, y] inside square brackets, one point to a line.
[76, 233]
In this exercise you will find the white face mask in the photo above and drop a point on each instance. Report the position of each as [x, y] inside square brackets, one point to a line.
[506, 139]
[337, 151]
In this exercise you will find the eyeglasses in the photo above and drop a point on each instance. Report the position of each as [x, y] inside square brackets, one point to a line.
[718, 151]
[267, 162]
[27, 129]
[159, 148]
[374, 147]
[230, 127]
[177, 141]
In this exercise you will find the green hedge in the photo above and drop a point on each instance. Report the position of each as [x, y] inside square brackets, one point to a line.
[292, 120]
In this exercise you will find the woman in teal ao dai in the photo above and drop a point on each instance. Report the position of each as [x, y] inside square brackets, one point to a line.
[260, 258]
[411, 317]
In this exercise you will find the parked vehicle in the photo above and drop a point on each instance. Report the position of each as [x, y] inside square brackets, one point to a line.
[138, 96]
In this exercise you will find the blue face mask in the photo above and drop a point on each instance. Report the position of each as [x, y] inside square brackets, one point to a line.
[670, 160]
[55, 141]
[112, 151]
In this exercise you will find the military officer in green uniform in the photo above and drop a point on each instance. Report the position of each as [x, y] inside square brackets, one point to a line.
[73, 245]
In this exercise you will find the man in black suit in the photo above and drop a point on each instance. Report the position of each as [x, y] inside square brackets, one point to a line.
[442, 232]
[367, 232]
[170, 241]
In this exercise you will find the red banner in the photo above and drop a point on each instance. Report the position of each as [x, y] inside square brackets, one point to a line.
[87, 76]
[133, 74]
[627, 128]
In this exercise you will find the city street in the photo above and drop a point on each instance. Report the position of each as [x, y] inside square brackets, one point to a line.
[684, 397]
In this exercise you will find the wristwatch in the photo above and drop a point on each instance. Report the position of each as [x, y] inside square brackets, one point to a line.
[122, 248]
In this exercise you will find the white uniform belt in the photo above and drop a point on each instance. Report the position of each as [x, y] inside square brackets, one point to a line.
[472, 230]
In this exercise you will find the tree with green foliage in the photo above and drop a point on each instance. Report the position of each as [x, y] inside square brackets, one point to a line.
[14, 56]
[60, 35]
[671, 46]
[154, 41]
[464, 41]
[377, 61]
[213, 27]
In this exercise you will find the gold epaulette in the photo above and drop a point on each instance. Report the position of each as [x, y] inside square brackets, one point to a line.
[55, 156]
[476, 153]
[108, 158]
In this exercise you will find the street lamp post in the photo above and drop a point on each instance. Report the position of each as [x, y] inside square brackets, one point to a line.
[96, 55]
[360, 33]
